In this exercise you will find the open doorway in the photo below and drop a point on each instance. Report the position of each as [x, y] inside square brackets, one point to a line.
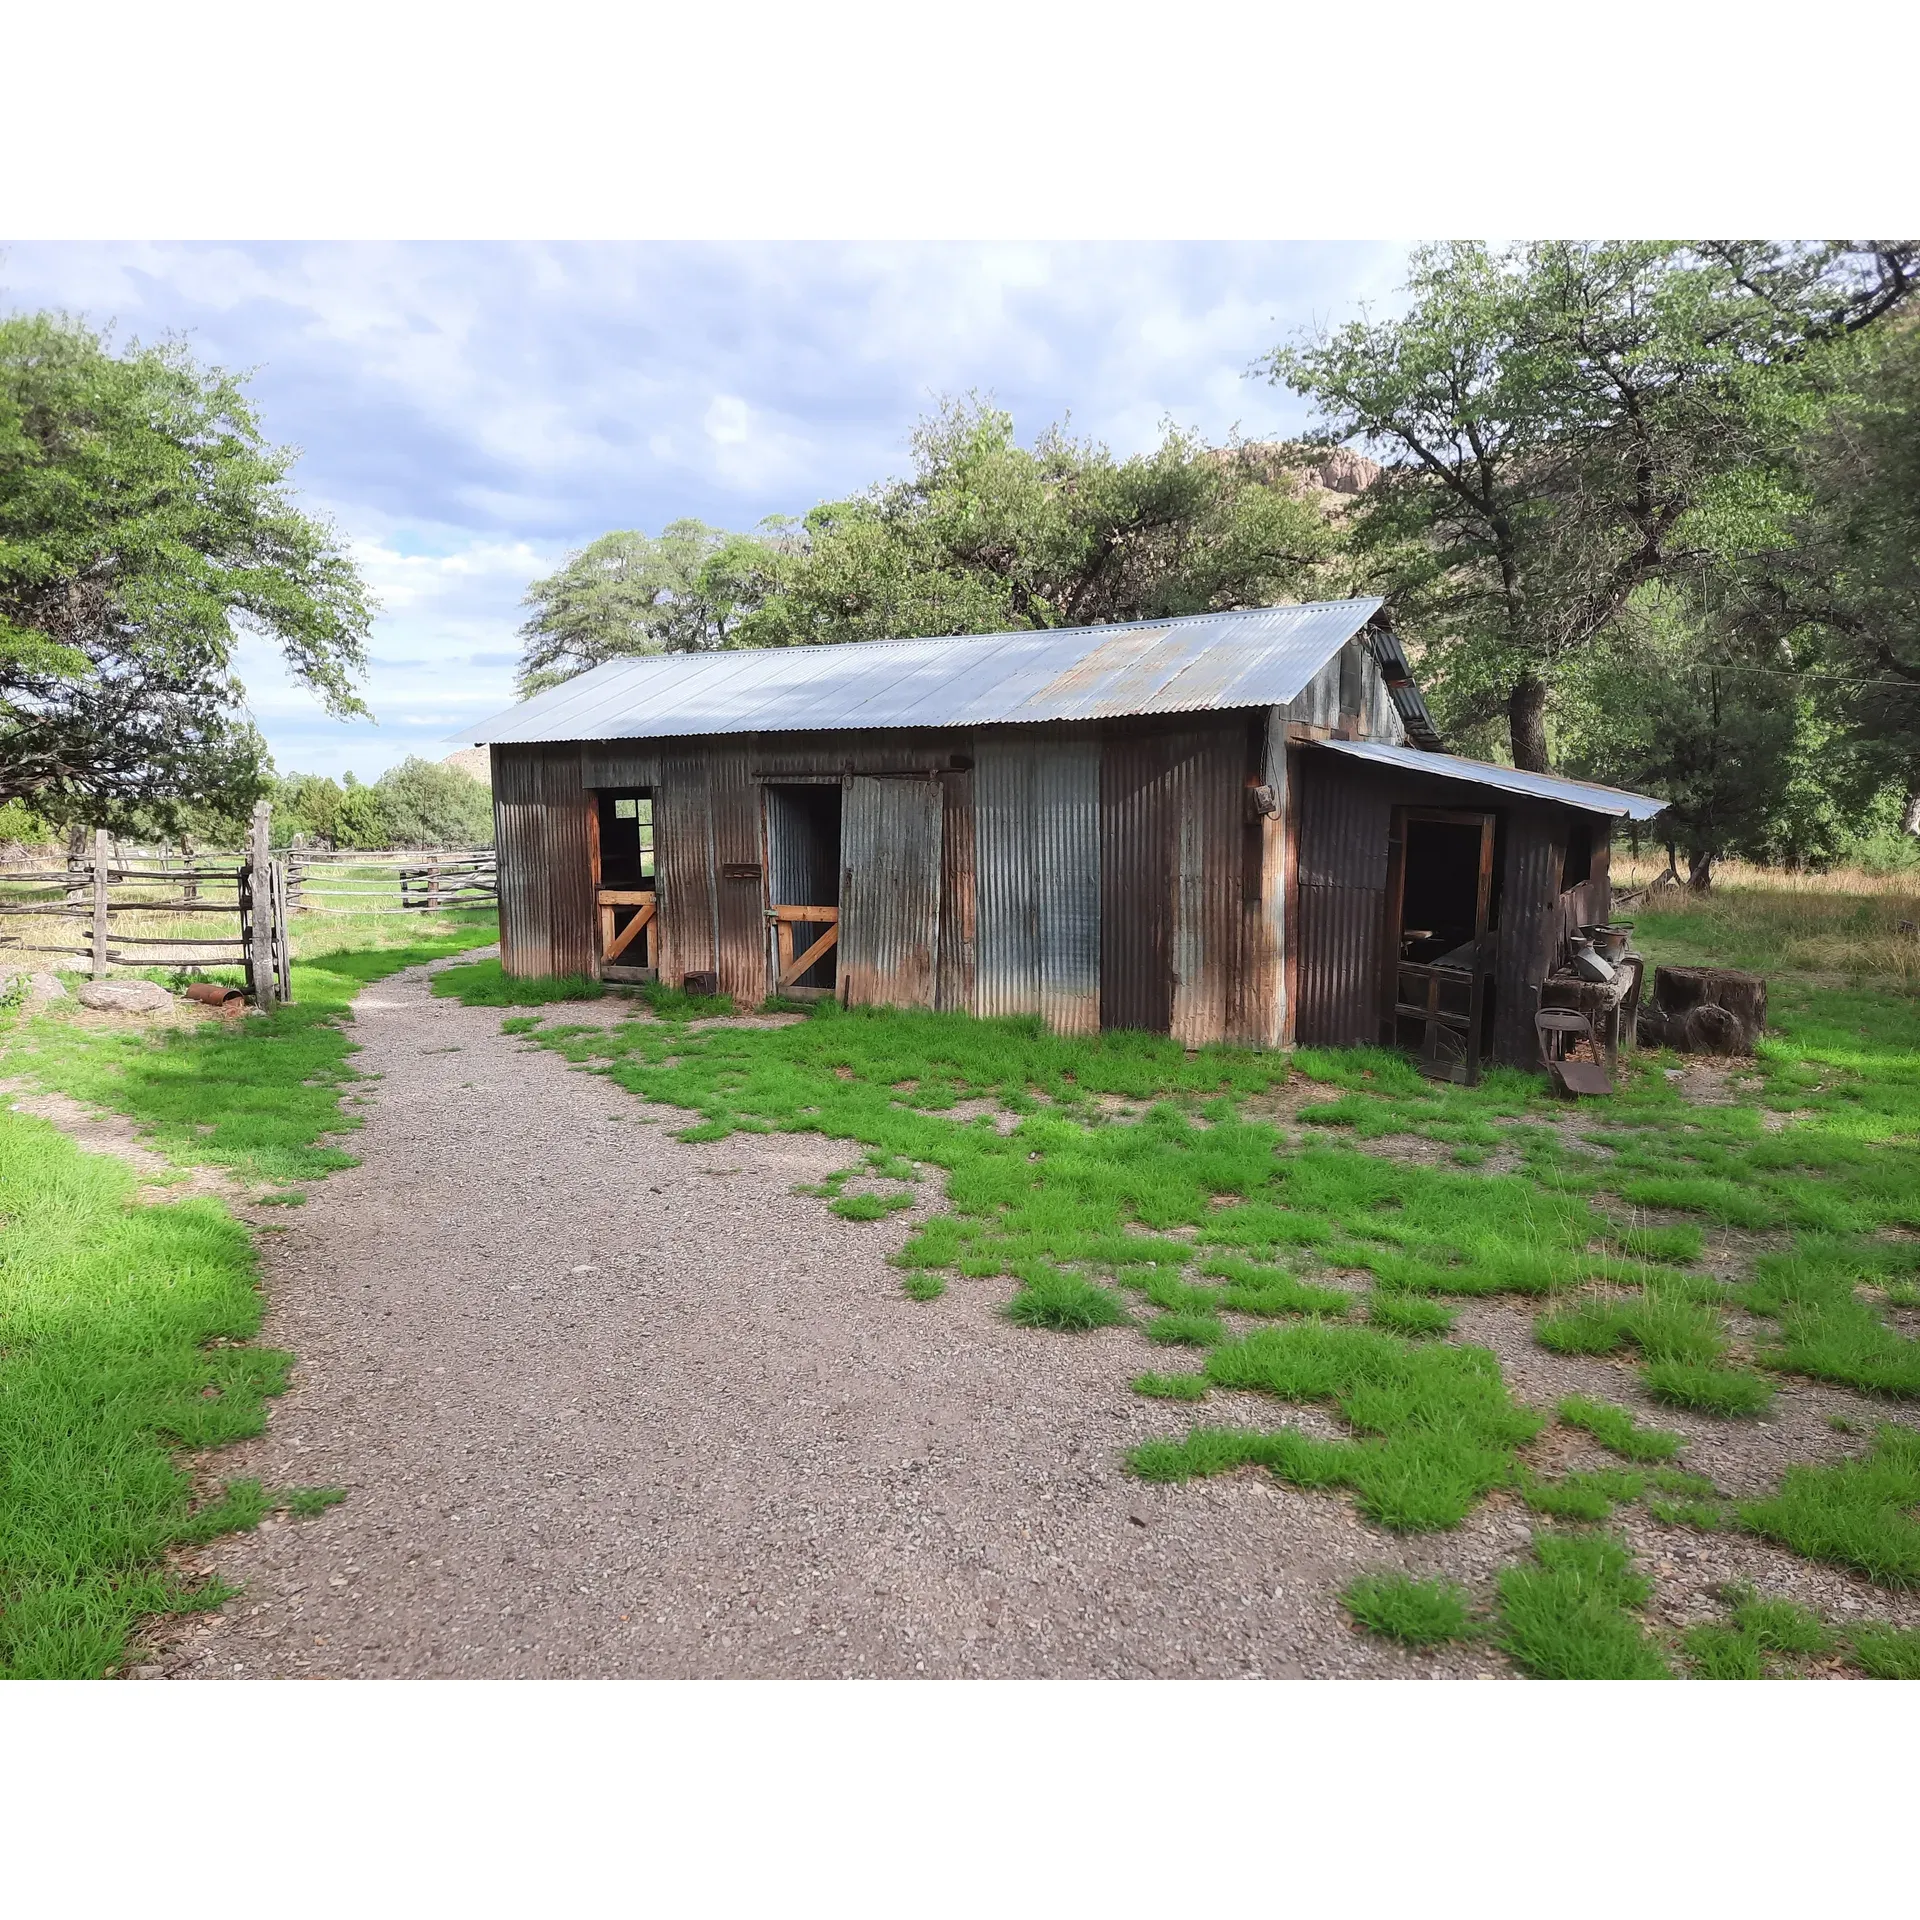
[1442, 908]
[624, 894]
[803, 886]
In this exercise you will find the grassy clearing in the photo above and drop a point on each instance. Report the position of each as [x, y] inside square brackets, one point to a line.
[126, 1327]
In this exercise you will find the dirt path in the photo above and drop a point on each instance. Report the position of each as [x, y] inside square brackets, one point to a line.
[610, 1404]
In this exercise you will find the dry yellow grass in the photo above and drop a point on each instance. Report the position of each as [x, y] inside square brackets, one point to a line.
[1844, 923]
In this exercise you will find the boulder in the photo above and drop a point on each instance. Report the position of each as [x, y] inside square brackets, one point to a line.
[30, 985]
[124, 996]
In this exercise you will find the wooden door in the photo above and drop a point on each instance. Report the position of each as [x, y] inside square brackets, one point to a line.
[890, 891]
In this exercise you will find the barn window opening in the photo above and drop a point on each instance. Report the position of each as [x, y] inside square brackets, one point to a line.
[626, 839]
[803, 871]
[1576, 863]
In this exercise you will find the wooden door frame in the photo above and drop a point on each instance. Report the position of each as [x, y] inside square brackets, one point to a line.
[1391, 1004]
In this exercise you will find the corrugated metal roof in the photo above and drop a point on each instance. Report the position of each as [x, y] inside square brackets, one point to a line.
[1259, 657]
[1483, 773]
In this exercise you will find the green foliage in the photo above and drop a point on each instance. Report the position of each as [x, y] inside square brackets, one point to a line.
[630, 593]
[1065, 1302]
[419, 803]
[1171, 1386]
[1566, 422]
[986, 536]
[124, 1326]
[1856, 1514]
[1728, 1391]
[1826, 1330]
[143, 515]
[923, 1286]
[1417, 1613]
[1569, 1617]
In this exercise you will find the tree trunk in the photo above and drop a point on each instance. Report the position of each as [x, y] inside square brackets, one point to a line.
[1527, 724]
[1699, 872]
[1910, 817]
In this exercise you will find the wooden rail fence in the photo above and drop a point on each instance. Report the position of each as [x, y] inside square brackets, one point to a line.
[121, 906]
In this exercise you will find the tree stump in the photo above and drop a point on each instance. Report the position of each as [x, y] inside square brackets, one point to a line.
[1705, 1010]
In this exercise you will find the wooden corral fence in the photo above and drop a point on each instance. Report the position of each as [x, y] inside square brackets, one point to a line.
[116, 906]
[422, 880]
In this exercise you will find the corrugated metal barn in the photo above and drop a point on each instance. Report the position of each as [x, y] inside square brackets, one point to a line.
[1226, 827]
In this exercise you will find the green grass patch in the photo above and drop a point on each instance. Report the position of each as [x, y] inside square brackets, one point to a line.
[1855, 1514]
[1066, 1303]
[1886, 1653]
[923, 1286]
[1569, 1616]
[1416, 1613]
[1616, 1429]
[486, 984]
[1408, 1314]
[1676, 1246]
[122, 1331]
[1728, 1391]
[1185, 1330]
[1436, 1430]
[125, 1328]
[1171, 1386]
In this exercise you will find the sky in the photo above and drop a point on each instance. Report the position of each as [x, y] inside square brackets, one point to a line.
[468, 413]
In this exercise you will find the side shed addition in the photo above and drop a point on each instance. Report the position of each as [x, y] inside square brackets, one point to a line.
[1225, 827]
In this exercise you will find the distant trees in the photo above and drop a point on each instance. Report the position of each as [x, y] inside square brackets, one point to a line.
[143, 516]
[631, 593]
[419, 803]
[983, 536]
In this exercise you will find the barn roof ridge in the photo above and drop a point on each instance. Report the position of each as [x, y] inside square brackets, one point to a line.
[1176, 663]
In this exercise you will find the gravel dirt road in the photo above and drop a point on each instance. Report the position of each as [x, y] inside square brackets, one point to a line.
[610, 1404]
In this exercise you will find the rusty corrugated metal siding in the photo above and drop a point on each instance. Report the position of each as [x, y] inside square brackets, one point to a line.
[1343, 824]
[1136, 883]
[1179, 863]
[542, 826]
[684, 868]
[959, 900]
[890, 891]
[739, 889]
[1037, 875]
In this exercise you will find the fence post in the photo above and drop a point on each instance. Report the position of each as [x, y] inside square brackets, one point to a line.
[101, 858]
[260, 965]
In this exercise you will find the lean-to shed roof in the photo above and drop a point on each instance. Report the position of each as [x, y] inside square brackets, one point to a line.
[1260, 657]
[1583, 794]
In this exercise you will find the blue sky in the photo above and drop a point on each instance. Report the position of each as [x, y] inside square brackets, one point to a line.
[469, 412]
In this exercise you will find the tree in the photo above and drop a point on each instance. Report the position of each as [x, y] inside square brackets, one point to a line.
[1566, 422]
[988, 536]
[629, 593]
[142, 517]
[1659, 705]
[1838, 591]
[424, 803]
